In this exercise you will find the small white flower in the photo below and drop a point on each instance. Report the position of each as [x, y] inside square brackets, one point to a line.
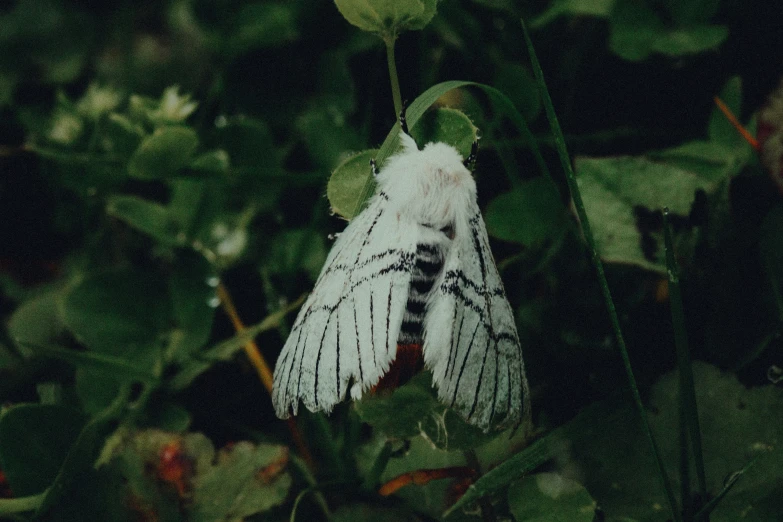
[230, 243]
[98, 101]
[174, 107]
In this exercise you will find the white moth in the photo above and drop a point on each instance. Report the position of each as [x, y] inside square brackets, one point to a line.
[413, 267]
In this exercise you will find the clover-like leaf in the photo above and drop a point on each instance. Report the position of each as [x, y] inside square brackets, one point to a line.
[388, 19]
[530, 214]
[163, 153]
[549, 497]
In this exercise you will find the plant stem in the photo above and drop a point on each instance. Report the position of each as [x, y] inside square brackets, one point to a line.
[599, 267]
[251, 348]
[395, 81]
[487, 512]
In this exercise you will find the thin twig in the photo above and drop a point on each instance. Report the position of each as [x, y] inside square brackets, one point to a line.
[737, 125]
[424, 476]
[262, 369]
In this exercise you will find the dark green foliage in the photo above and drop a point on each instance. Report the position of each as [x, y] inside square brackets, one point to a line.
[153, 156]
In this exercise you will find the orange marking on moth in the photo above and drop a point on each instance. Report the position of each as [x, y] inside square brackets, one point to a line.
[424, 476]
[735, 122]
[408, 362]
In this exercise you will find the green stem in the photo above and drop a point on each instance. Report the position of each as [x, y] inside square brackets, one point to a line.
[304, 469]
[374, 476]
[599, 267]
[395, 81]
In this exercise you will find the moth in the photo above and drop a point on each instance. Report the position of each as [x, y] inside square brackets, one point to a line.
[412, 275]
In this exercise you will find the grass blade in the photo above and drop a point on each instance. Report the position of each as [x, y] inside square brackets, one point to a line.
[687, 388]
[729, 483]
[596, 260]
[515, 467]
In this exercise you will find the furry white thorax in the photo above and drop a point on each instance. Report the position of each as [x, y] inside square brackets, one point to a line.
[431, 186]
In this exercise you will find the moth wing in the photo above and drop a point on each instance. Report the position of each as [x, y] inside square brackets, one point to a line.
[478, 366]
[345, 335]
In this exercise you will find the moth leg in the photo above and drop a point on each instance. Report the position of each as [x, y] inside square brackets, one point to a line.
[403, 119]
[374, 168]
[470, 161]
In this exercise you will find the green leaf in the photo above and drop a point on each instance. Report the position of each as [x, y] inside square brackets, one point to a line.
[34, 441]
[263, 25]
[685, 12]
[211, 163]
[388, 19]
[549, 497]
[691, 40]
[445, 125]
[735, 429]
[37, 320]
[163, 153]
[170, 416]
[97, 380]
[710, 160]
[612, 187]
[352, 177]
[638, 31]
[414, 409]
[246, 479]
[112, 310]
[83, 452]
[238, 481]
[148, 217]
[558, 8]
[192, 287]
[327, 134]
[516, 80]
[122, 135]
[11, 506]
[530, 214]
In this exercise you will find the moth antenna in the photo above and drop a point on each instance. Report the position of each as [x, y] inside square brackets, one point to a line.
[374, 168]
[470, 161]
[403, 118]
